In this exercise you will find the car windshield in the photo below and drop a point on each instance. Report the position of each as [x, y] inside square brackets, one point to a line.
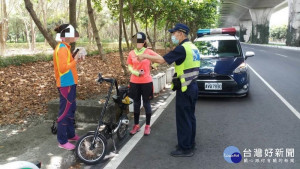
[218, 48]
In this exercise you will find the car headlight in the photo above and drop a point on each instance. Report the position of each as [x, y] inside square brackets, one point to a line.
[241, 68]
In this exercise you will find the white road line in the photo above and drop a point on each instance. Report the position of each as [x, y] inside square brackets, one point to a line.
[261, 50]
[281, 55]
[277, 94]
[116, 161]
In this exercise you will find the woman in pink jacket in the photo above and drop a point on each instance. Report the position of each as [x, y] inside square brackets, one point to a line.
[140, 81]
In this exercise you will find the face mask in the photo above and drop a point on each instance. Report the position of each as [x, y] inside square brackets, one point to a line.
[174, 40]
[140, 45]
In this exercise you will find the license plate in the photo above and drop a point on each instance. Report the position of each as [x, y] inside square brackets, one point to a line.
[213, 86]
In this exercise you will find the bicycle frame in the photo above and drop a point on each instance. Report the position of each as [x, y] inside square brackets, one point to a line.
[112, 82]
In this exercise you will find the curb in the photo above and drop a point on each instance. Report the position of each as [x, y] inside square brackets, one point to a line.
[87, 111]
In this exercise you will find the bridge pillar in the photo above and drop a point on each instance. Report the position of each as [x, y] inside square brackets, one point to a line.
[245, 30]
[260, 25]
[293, 32]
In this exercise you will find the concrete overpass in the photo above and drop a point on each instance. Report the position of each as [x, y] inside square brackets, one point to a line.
[253, 16]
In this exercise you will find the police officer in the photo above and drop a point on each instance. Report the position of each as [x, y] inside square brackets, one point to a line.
[187, 62]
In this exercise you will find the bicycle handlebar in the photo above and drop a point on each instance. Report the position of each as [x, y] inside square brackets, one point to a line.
[109, 80]
[101, 79]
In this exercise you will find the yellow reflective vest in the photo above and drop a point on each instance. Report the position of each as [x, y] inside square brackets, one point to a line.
[189, 69]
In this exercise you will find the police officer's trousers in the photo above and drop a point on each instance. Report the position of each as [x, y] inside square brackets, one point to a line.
[185, 116]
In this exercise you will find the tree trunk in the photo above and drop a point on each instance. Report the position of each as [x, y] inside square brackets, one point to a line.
[193, 31]
[44, 12]
[3, 27]
[2, 43]
[38, 23]
[136, 28]
[149, 38]
[120, 37]
[27, 33]
[32, 35]
[131, 33]
[125, 33]
[72, 18]
[90, 33]
[78, 15]
[95, 30]
[154, 32]
[132, 16]
[165, 39]
[170, 41]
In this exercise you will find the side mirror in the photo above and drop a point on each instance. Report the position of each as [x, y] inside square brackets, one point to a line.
[249, 54]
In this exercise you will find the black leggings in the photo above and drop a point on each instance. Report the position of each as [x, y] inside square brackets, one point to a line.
[146, 91]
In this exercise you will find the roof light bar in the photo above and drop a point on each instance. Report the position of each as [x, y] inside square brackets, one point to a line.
[202, 32]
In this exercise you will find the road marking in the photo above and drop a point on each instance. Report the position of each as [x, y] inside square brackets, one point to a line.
[277, 94]
[261, 50]
[281, 55]
[116, 161]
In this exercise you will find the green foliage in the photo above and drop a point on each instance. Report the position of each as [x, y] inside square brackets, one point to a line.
[194, 13]
[278, 32]
[40, 37]
[201, 15]
[23, 59]
[16, 29]
[113, 6]
[97, 5]
[161, 14]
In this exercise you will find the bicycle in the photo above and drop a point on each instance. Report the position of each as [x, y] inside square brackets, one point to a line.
[91, 148]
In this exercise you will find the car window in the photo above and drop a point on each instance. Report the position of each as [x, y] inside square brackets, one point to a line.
[218, 48]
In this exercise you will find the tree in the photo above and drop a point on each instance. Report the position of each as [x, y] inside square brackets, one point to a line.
[72, 18]
[149, 13]
[3, 27]
[43, 4]
[132, 20]
[125, 33]
[78, 14]
[201, 15]
[33, 34]
[38, 23]
[278, 32]
[23, 14]
[120, 36]
[95, 30]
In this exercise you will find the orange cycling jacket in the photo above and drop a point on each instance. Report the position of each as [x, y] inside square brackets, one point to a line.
[64, 66]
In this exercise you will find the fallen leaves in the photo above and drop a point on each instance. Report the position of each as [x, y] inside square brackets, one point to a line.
[25, 90]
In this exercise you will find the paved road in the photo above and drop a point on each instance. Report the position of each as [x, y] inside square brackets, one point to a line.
[260, 121]
[281, 68]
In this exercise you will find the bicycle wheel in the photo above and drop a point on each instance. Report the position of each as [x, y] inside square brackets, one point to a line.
[90, 155]
[123, 129]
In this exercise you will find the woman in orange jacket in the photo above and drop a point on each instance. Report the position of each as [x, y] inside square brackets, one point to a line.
[66, 80]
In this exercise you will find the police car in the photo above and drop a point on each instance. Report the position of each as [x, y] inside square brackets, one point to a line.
[223, 70]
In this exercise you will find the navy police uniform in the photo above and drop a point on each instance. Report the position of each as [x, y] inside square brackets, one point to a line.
[185, 103]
